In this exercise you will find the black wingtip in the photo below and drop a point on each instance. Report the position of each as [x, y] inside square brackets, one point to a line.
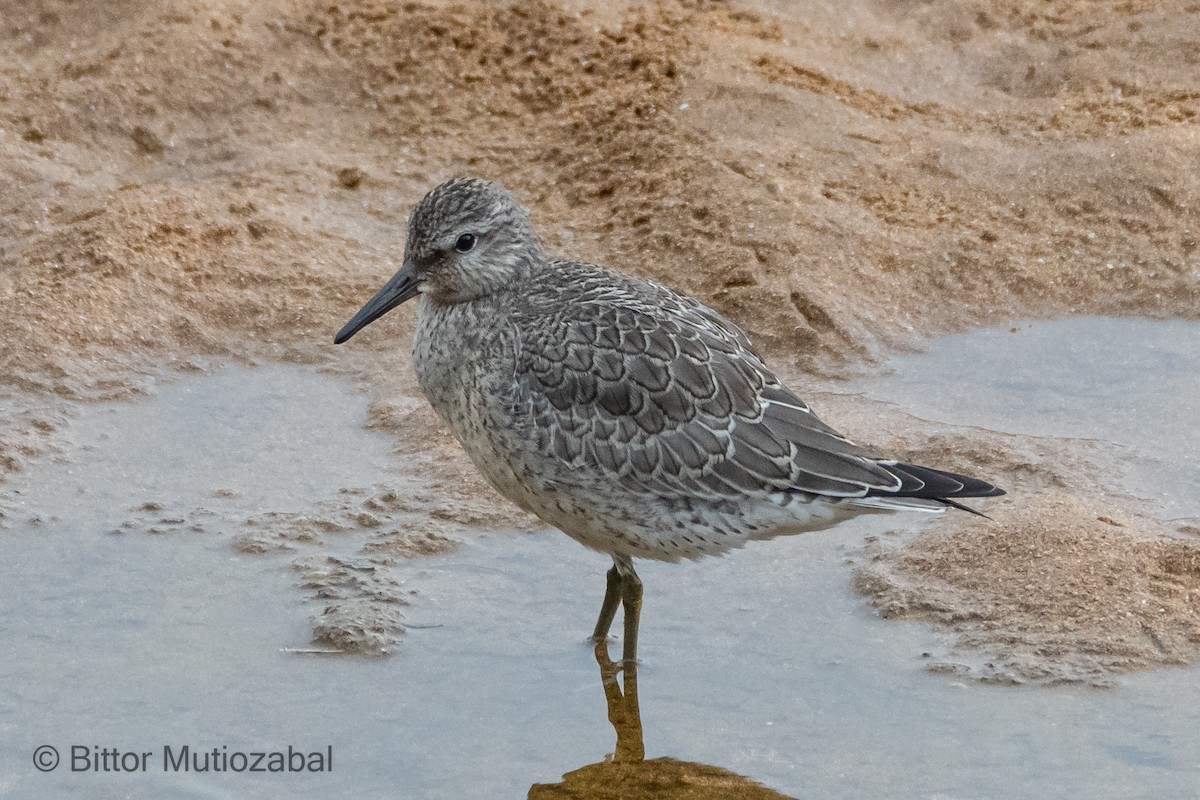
[927, 483]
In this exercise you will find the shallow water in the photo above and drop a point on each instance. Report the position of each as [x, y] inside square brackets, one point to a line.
[127, 620]
[763, 663]
[1132, 382]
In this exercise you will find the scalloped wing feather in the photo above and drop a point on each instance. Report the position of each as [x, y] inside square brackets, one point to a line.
[670, 396]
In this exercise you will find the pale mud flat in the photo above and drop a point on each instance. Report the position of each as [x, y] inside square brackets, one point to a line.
[194, 186]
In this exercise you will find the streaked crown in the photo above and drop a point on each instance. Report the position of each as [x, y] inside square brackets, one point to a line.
[468, 238]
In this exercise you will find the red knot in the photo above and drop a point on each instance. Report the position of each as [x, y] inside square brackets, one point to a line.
[636, 420]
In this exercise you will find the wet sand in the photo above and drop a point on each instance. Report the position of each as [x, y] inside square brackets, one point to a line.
[1092, 569]
[216, 181]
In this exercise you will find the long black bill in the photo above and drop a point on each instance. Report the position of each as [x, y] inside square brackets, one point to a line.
[401, 287]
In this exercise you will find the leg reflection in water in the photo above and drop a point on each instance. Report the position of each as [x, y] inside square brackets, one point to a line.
[628, 775]
[623, 710]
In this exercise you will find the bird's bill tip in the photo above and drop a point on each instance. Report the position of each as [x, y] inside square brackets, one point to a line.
[401, 287]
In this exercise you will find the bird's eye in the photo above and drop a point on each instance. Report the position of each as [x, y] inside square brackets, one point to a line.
[465, 243]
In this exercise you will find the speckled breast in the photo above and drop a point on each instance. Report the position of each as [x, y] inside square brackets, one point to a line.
[464, 357]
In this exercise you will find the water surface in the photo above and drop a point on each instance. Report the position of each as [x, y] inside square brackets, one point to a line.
[1133, 382]
[763, 663]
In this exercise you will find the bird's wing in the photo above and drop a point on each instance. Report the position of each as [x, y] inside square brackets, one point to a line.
[629, 379]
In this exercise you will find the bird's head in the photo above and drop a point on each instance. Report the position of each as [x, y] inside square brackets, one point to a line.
[467, 238]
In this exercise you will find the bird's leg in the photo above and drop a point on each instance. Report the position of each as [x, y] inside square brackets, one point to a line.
[612, 598]
[624, 588]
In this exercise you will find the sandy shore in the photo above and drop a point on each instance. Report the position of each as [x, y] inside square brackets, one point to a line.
[201, 179]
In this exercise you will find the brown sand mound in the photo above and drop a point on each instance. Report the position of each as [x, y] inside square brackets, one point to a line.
[654, 779]
[1056, 589]
[1071, 580]
[184, 166]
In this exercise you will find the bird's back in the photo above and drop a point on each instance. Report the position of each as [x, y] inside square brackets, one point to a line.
[629, 377]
